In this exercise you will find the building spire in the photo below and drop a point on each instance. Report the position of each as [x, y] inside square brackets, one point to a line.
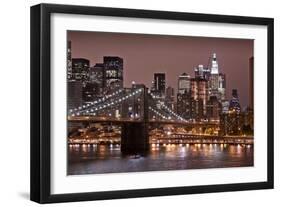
[214, 65]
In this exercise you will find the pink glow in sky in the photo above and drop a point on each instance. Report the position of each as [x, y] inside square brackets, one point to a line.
[145, 54]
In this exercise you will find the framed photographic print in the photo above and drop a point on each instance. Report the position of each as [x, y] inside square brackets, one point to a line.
[133, 103]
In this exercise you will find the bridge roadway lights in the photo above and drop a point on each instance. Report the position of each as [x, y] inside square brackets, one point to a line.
[134, 138]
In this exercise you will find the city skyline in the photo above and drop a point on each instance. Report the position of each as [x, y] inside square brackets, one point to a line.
[96, 54]
[121, 106]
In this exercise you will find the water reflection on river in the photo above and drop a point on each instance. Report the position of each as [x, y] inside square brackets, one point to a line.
[90, 159]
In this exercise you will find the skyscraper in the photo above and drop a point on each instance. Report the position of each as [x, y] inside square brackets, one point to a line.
[225, 106]
[231, 121]
[69, 61]
[234, 104]
[217, 81]
[183, 83]
[251, 82]
[113, 67]
[201, 72]
[183, 96]
[199, 97]
[213, 108]
[184, 105]
[214, 64]
[74, 94]
[222, 87]
[199, 89]
[80, 69]
[97, 77]
[170, 97]
[93, 88]
[159, 85]
[90, 92]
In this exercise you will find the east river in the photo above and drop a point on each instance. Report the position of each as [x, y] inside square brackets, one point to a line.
[92, 159]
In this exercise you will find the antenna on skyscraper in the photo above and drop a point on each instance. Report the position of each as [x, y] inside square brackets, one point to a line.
[209, 62]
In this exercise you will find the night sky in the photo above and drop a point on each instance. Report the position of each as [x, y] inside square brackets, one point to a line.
[145, 54]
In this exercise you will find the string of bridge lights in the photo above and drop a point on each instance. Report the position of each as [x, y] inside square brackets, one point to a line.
[156, 112]
[84, 107]
[167, 108]
[176, 115]
[97, 108]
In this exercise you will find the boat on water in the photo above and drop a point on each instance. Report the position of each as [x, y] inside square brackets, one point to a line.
[135, 156]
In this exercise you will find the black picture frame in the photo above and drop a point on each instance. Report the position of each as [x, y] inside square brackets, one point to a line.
[41, 95]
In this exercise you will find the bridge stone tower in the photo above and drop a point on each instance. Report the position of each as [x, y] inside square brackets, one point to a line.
[134, 135]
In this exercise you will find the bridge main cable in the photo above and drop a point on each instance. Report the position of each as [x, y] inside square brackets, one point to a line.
[168, 109]
[95, 108]
[85, 106]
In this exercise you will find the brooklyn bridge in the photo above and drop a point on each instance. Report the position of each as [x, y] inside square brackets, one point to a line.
[138, 113]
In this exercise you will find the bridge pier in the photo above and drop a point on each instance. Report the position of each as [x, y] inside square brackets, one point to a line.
[134, 135]
[134, 138]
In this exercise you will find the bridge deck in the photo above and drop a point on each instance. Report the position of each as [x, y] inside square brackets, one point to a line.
[134, 120]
